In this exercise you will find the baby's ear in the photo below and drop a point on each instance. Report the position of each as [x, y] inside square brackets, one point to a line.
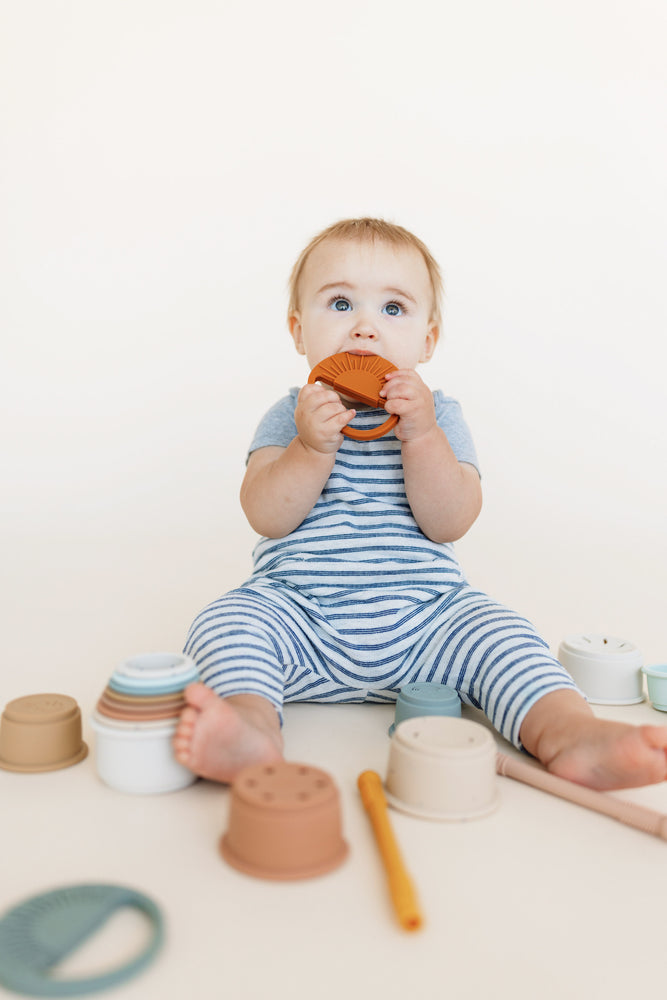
[295, 329]
[431, 340]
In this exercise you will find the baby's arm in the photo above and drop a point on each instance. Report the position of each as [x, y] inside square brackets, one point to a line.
[445, 495]
[282, 485]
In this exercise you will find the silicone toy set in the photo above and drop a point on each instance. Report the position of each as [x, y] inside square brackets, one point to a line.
[285, 819]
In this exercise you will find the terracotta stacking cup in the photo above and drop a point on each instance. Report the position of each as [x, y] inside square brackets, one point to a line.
[120, 699]
[136, 709]
[442, 768]
[284, 822]
[41, 732]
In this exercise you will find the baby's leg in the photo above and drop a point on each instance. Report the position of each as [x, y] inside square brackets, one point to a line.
[493, 657]
[239, 644]
[497, 662]
[217, 737]
[246, 646]
[562, 732]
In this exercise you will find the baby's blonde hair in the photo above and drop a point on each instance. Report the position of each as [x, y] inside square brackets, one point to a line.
[368, 230]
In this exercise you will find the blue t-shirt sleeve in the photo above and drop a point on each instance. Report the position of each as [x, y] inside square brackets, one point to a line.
[450, 417]
[277, 427]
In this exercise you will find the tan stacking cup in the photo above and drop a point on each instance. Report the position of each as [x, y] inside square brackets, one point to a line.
[41, 732]
[284, 822]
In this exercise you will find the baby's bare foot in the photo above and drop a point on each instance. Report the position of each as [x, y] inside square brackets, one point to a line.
[217, 737]
[606, 755]
[562, 732]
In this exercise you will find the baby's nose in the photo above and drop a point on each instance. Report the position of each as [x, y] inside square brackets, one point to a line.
[363, 330]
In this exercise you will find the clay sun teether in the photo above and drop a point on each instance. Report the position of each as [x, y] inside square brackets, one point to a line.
[359, 377]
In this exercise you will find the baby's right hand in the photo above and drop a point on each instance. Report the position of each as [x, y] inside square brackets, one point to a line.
[320, 417]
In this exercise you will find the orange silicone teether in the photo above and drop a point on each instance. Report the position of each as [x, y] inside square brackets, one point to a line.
[361, 377]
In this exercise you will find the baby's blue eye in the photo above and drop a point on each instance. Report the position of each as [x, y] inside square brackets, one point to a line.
[340, 305]
[392, 309]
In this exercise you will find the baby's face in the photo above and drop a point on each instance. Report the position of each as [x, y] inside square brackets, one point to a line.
[366, 298]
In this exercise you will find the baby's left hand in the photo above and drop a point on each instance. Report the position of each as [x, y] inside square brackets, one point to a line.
[412, 401]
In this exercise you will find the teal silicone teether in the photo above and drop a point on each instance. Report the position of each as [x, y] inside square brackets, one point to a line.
[40, 932]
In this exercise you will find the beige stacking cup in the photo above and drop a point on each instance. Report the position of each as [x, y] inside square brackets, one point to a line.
[41, 732]
[442, 767]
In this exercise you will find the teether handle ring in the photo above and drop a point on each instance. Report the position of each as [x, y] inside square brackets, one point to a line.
[373, 432]
[47, 943]
[319, 375]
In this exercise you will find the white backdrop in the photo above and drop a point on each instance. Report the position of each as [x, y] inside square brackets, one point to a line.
[162, 165]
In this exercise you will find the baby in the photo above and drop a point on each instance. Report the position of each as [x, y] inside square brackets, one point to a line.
[356, 590]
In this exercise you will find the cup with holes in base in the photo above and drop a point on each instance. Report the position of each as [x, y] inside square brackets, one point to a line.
[284, 822]
[607, 670]
[441, 767]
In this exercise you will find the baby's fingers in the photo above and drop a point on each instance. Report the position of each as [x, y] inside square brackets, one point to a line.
[343, 419]
[403, 383]
[314, 396]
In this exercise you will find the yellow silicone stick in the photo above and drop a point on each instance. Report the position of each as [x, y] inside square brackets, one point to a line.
[401, 888]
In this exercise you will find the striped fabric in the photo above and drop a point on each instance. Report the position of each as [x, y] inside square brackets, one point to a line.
[357, 602]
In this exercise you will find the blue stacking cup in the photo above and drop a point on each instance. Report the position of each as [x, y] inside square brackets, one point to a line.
[424, 698]
[154, 674]
[656, 682]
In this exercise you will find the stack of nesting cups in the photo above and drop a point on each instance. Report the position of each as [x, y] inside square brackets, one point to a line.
[135, 721]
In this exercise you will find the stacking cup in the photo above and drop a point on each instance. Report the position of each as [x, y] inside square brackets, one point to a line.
[442, 768]
[656, 682]
[284, 822]
[137, 757]
[135, 721]
[154, 674]
[424, 698]
[606, 669]
[41, 732]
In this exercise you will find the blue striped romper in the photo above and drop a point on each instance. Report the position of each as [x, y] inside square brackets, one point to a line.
[357, 601]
